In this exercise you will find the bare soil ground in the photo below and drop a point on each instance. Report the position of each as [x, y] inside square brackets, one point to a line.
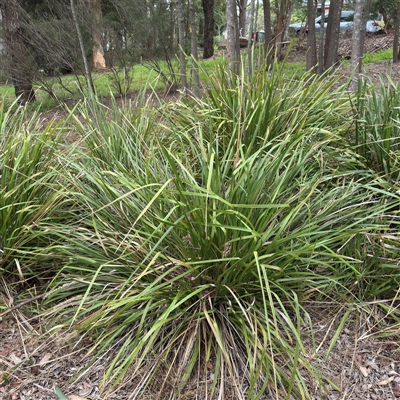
[362, 360]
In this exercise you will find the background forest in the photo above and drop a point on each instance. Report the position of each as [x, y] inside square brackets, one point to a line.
[44, 40]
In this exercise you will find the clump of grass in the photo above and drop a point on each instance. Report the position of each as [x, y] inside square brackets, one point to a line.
[377, 133]
[209, 223]
[378, 56]
[29, 193]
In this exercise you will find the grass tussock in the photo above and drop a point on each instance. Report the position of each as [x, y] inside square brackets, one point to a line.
[191, 234]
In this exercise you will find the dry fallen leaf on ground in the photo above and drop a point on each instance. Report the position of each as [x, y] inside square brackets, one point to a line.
[15, 360]
[45, 359]
[386, 381]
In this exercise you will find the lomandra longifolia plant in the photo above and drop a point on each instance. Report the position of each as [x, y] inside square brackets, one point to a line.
[30, 197]
[208, 226]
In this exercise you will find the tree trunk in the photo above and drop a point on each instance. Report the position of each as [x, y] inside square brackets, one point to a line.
[356, 51]
[208, 37]
[267, 30]
[396, 55]
[332, 34]
[99, 62]
[242, 16]
[321, 40]
[195, 56]
[358, 37]
[249, 44]
[365, 18]
[283, 13]
[20, 69]
[311, 57]
[232, 34]
[88, 75]
[181, 38]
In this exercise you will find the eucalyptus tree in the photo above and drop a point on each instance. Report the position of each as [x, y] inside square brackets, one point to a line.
[267, 28]
[98, 60]
[242, 8]
[321, 40]
[20, 62]
[195, 56]
[396, 54]
[232, 35]
[181, 35]
[209, 23]
[332, 34]
[311, 57]
[361, 13]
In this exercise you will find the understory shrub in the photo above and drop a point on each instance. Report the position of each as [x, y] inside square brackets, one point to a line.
[205, 224]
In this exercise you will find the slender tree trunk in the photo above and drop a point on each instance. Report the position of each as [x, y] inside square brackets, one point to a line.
[267, 30]
[88, 74]
[19, 66]
[195, 56]
[311, 57]
[249, 44]
[242, 16]
[232, 35]
[209, 23]
[99, 62]
[396, 55]
[284, 10]
[321, 40]
[256, 16]
[365, 18]
[356, 53]
[358, 37]
[332, 34]
[181, 38]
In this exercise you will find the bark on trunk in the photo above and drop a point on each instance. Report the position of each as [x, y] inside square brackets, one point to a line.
[232, 34]
[332, 34]
[88, 74]
[20, 68]
[321, 40]
[268, 30]
[209, 23]
[99, 62]
[396, 55]
[242, 17]
[284, 12]
[249, 44]
[311, 57]
[358, 37]
[181, 37]
[195, 56]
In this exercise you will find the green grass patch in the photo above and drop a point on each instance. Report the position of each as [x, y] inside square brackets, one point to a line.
[379, 56]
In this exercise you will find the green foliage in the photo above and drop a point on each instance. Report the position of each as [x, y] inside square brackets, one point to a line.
[377, 134]
[379, 56]
[29, 194]
[205, 223]
[184, 239]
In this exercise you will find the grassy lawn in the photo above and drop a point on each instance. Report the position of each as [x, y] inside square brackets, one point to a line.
[137, 77]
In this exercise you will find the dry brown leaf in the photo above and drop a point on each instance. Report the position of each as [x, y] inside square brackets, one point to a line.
[364, 370]
[73, 397]
[386, 381]
[15, 360]
[373, 365]
[359, 359]
[45, 359]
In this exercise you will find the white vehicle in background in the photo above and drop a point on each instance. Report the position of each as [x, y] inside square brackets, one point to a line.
[346, 23]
